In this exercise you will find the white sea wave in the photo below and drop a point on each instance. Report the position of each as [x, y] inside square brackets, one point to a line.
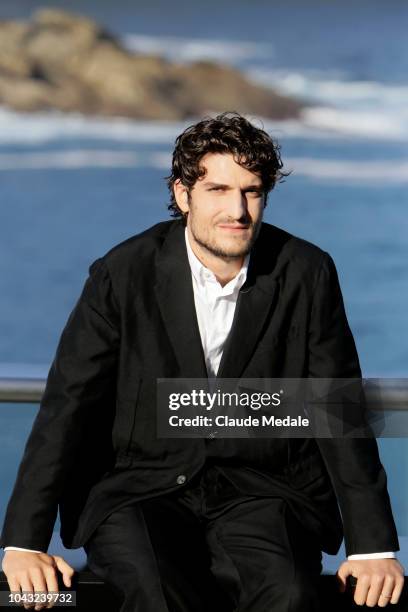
[186, 49]
[332, 87]
[380, 124]
[42, 127]
[70, 160]
[36, 129]
[356, 171]
[364, 109]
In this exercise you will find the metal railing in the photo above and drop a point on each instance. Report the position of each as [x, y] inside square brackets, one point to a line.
[21, 390]
[389, 392]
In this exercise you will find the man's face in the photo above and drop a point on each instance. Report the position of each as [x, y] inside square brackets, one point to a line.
[225, 207]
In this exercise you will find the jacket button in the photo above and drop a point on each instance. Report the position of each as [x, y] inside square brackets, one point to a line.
[181, 479]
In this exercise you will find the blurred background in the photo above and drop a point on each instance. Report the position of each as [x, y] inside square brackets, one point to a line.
[91, 101]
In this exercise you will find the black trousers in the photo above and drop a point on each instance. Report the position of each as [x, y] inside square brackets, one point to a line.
[207, 548]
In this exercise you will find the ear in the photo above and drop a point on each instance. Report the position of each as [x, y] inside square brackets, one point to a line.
[181, 195]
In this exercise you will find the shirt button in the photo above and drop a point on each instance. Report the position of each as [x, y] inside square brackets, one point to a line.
[181, 479]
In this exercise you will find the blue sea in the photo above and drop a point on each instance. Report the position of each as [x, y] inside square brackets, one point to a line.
[71, 187]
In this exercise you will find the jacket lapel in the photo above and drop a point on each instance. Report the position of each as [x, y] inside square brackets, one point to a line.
[256, 300]
[175, 298]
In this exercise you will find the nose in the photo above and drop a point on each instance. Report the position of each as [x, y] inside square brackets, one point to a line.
[237, 207]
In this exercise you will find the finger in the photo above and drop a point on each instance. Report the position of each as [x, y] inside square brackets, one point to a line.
[342, 574]
[375, 590]
[26, 587]
[67, 577]
[396, 594]
[341, 584]
[14, 584]
[363, 585]
[386, 591]
[39, 584]
[52, 583]
[66, 570]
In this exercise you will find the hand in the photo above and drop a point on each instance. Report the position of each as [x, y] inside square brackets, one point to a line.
[379, 581]
[31, 571]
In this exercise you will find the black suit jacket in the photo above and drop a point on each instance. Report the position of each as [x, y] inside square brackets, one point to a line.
[93, 446]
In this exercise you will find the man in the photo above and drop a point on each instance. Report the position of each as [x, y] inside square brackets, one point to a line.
[192, 525]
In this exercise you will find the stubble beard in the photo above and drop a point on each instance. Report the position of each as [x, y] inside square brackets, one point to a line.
[227, 254]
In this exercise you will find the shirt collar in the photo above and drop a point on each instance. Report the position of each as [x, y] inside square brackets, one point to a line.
[203, 274]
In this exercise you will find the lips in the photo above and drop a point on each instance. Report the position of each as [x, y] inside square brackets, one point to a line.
[234, 227]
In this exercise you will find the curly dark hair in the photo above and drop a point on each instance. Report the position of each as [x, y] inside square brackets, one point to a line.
[228, 132]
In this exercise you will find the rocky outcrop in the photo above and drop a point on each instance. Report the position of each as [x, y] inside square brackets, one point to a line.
[67, 62]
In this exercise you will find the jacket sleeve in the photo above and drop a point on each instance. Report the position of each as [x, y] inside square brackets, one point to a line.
[353, 463]
[82, 373]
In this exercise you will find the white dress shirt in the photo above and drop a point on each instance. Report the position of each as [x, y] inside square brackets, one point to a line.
[215, 308]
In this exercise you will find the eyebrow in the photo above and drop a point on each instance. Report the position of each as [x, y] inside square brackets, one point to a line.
[211, 184]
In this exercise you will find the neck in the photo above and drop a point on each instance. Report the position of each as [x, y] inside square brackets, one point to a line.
[223, 268]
